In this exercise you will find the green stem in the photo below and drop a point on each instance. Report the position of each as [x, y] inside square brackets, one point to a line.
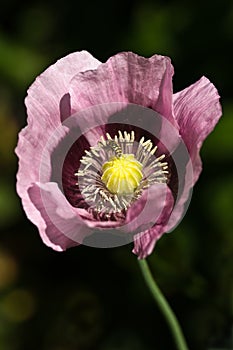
[163, 306]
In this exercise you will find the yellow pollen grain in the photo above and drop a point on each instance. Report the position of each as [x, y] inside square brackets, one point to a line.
[122, 174]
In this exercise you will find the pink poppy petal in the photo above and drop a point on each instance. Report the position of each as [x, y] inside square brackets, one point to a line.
[126, 77]
[144, 242]
[43, 103]
[148, 208]
[44, 116]
[183, 200]
[91, 122]
[46, 94]
[144, 246]
[59, 224]
[34, 162]
[197, 111]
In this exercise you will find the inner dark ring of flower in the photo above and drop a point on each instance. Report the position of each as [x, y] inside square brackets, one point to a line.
[113, 174]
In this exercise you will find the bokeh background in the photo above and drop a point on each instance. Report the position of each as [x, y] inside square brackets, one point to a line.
[86, 298]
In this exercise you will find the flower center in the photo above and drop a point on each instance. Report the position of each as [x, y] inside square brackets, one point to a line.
[122, 174]
[114, 173]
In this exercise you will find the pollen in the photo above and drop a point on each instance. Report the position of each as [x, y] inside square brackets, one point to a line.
[122, 175]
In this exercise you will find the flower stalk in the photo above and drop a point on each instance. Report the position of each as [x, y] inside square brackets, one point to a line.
[163, 306]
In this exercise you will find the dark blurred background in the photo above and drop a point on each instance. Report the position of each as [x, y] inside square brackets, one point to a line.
[86, 298]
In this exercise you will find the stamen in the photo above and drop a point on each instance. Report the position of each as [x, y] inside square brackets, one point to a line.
[113, 174]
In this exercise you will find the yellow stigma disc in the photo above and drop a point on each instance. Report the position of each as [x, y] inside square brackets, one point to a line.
[122, 174]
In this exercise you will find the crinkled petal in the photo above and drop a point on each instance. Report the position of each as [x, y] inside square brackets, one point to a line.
[46, 94]
[43, 108]
[182, 202]
[46, 109]
[91, 122]
[144, 245]
[126, 77]
[147, 209]
[59, 224]
[197, 111]
[145, 241]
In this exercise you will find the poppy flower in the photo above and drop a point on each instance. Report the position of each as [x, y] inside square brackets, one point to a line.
[110, 155]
